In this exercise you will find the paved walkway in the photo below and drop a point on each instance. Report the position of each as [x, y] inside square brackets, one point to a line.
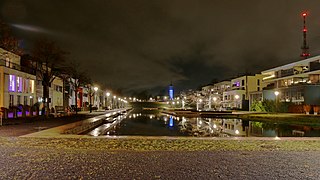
[57, 132]
[21, 126]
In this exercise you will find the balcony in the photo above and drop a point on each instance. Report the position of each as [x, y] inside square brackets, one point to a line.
[314, 66]
[11, 65]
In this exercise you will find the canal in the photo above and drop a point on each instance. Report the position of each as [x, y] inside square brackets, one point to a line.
[150, 122]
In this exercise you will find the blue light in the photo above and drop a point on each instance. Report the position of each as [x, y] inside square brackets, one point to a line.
[171, 122]
[171, 94]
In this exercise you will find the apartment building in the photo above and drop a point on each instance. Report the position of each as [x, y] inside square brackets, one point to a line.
[17, 85]
[297, 82]
[237, 97]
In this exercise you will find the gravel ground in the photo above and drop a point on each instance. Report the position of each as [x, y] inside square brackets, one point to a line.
[104, 158]
[35, 163]
[90, 158]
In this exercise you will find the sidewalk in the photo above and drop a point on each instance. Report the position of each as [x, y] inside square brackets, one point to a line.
[23, 126]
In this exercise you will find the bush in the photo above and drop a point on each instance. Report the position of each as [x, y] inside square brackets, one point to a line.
[270, 106]
[257, 106]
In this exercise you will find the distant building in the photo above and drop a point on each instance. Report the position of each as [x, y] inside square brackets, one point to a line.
[171, 92]
[238, 95]
[213, 94]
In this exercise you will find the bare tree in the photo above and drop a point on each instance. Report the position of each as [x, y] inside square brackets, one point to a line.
[7, 41]
[48, 59]
[77, 78]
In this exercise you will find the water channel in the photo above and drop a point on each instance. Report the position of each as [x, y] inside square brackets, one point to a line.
[140, 122]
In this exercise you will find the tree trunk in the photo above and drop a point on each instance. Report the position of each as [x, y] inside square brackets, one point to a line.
[46, 99]
[76, 99]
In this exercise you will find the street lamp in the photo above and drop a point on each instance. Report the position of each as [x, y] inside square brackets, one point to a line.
[107, 95]
[277, 94]
[237, 98]
[215, 100]
[198, 102]
[95, 95]
[113, 101]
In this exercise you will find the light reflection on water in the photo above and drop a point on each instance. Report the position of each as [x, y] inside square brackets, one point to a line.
[155, 124]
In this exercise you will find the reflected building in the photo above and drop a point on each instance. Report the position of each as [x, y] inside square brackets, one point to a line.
[234, 127]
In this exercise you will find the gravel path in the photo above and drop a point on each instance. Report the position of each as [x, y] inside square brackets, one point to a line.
[103, 158]
[35, 163]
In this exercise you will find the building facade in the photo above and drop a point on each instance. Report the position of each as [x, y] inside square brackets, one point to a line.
[17, 85]
[237, 97]
[297, 82]
[55, 93]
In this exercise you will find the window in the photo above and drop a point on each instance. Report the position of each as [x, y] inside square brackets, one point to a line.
[18, 99]
[11, 100]
[7, 62]
[25, 100]
[242, 82]
[25, 85]
[58, 88]
[258, 88]
[19, 84]
[31, 101]
[258, 82]
[12, 83]
[31, 86]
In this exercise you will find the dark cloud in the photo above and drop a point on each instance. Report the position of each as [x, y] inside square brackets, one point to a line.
[146, 44]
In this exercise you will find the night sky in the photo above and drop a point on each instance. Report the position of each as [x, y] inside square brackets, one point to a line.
[146, 44]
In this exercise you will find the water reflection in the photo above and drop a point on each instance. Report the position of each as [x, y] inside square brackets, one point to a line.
[154, 124]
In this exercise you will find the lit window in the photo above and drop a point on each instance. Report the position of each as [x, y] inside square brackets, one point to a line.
[25, 85]
[12, 83]
[19, 84]
[31, 86]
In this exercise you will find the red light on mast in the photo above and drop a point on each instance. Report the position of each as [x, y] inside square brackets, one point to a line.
[304, 14]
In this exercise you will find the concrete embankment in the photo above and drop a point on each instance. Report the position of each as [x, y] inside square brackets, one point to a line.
[189, 113]
[249, 115]
[77, 127]
[86, 125]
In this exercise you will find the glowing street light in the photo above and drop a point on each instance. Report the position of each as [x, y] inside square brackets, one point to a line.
[237, 97]
[107, 95]
[95, 95]
[198, 102]
[277, 94]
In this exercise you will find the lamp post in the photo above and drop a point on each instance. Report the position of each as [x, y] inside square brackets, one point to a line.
[237, 98]
[215, 100]
[107, 95]
[113, 101]
[276, 93]
[95, 95]
[198, 103]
